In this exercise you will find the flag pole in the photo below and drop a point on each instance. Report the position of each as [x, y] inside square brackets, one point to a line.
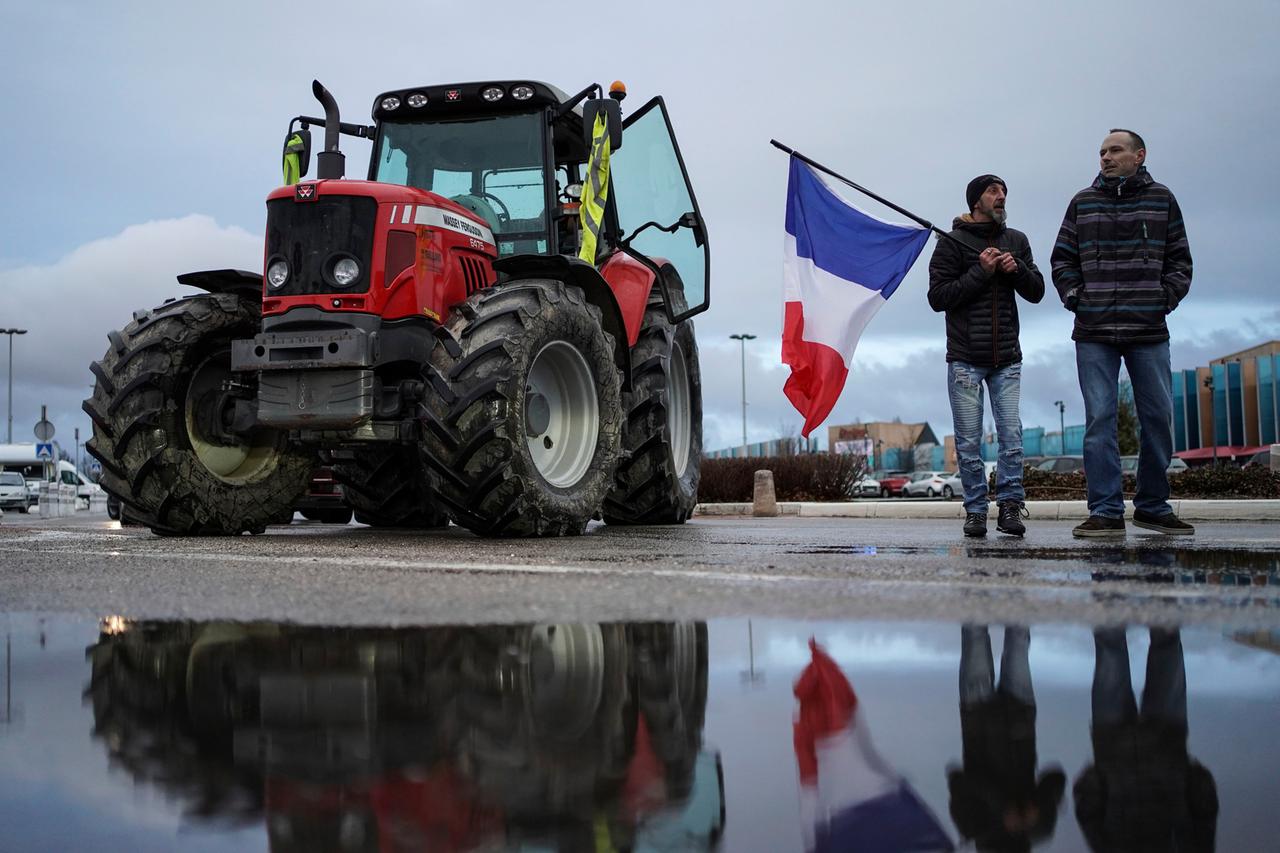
[924, 223]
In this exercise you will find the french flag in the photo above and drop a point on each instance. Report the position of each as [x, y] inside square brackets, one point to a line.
[850, 798]
[840, 265]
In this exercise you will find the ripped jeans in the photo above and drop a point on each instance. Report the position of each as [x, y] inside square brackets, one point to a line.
[964, 386]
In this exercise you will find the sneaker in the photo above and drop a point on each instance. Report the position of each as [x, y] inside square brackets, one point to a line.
[1167, 523]
[1099, 526]
[975, 524]
[1010, 518]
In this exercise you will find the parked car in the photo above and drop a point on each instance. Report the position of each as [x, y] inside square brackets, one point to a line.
[1029, 461]
[931, 484]
[867, 487]
[1129, 465]
[323, 501]
[13, 491]
[891, 482]
[1261, 458]
[1061, 464]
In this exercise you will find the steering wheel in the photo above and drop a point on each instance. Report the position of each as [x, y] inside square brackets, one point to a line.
[504, 214]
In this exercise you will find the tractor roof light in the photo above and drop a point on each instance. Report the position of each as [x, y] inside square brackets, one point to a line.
[391, 102]
[417, 100]
[492, 94]
[522, 92]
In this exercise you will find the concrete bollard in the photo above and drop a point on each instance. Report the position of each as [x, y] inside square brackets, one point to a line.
[98, 502]
[764, 502]
[47, 492]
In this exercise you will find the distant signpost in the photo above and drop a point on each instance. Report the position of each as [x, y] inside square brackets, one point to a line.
[44, 429]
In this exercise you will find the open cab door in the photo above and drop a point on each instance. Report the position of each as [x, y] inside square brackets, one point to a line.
[658, 214]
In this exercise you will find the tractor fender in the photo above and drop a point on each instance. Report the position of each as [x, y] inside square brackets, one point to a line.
[596, 288]
[239, 282]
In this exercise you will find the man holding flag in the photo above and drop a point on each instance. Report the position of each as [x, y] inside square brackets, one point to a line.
[975, 277]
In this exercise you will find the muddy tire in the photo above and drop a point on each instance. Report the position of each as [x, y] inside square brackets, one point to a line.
[657, 480]
[151, 407]
[522, 419]
[388, 487]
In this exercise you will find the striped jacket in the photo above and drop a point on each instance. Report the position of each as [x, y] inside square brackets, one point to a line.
[1122, 261]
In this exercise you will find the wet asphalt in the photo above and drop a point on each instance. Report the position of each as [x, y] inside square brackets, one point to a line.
[819, 568]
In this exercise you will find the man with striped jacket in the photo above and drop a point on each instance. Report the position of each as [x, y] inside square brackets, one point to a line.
[1121, 264]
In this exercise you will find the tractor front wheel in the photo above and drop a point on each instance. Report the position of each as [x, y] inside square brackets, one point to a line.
[159, 411]
[522, 418]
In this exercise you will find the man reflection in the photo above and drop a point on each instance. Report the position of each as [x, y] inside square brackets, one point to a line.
[1143, 791]
[996, 798]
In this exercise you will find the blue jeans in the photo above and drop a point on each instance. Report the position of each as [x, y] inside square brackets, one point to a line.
[1152, 382]
[964, 386]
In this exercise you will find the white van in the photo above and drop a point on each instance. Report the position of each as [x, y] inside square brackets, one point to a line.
[67, 475]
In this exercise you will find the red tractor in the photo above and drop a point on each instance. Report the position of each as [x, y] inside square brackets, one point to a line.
[442, 333]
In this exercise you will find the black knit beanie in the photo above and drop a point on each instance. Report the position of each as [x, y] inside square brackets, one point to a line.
[979, 185]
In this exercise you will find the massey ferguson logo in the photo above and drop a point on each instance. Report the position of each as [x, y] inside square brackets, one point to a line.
[453, 94]
[304, 192]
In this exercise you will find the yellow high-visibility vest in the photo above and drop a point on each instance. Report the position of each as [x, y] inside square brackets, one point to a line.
[293, 160]
[595, 192]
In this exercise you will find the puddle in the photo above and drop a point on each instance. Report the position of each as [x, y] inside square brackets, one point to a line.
[117, 734]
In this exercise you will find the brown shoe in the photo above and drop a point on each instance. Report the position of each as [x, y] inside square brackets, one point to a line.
[1099, 527]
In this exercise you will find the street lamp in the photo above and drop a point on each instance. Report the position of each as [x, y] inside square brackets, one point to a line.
[742, 339]
[11, 333]
[1213, 419]
[1062, 424]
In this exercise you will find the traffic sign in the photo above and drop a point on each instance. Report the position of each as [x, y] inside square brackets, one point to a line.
[44, 450]
[44, 431]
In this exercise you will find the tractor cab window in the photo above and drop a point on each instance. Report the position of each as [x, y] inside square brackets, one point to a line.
[657, 211]
[492, 166]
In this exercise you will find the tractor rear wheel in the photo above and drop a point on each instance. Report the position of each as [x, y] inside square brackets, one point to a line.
[522, 418]
[657, 481]
[388, 487]
[158, 407]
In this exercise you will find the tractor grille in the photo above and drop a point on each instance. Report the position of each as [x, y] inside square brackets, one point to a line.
[473, 273]
[313, 236]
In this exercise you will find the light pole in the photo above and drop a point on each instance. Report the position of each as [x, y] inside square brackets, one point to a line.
[1213, 419]
[1062, 424]
[742, 339]
[11, 333]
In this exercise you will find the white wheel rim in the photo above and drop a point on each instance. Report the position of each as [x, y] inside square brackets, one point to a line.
[238, 463]
[680, 414]
[560, 380]
[564, 678]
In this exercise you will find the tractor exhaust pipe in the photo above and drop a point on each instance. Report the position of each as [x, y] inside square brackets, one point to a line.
[331, 162]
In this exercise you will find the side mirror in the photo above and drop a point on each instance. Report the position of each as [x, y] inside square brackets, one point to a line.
[612, 111]
[297, 156]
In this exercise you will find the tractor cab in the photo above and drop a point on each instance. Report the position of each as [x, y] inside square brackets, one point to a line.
[514, 154]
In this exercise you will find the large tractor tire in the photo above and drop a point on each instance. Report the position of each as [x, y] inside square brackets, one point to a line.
[657, 480]
[388, 487]
[522, 418]
[156, 397]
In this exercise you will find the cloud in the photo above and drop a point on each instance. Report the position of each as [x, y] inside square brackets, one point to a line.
[68, 307]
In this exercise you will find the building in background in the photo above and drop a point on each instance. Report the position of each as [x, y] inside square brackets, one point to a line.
[1229, 408]
[786, 446]
[889, 445]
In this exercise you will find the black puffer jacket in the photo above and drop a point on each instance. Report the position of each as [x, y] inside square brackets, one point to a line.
[982, 316]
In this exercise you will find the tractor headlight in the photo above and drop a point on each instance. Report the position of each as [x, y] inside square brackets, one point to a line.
[391, 102]
[492, 94]
[346, 271]
[522, 92]
[417, 100]
[277, 273]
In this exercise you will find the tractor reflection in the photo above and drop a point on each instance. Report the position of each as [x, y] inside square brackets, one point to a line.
[532, 737]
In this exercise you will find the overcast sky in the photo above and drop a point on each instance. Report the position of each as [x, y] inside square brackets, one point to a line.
[140, 140]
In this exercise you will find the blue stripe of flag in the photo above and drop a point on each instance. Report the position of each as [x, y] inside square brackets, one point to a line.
[843, 240]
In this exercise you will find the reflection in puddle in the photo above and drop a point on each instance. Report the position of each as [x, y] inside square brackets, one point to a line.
[551, 736]
[635, 737]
